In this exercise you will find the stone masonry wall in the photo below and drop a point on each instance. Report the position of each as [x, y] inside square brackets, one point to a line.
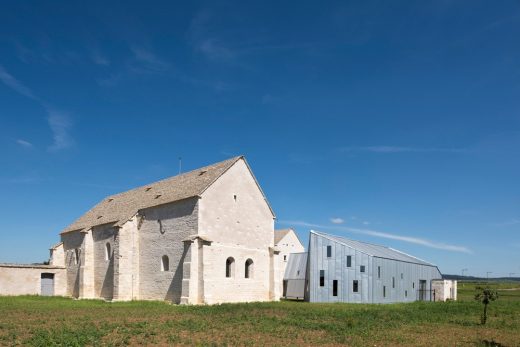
[26, 279]
[162, 232]
[71, 242]
[103, 267]
[236, 218]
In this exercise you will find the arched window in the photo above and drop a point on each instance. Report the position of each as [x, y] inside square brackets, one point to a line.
[249, 268]
[230, 267]
[107, 251]
[165, 263]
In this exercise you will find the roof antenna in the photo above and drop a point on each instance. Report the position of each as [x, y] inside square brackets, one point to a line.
[180, 165]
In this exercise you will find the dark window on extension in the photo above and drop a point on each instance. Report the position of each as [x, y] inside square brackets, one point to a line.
[329, 251]
[379, 272]
[362, 268]
[355, 286]
[349, 260]
[384, 291]
[322, 278]
[393, 282]
[335, 288]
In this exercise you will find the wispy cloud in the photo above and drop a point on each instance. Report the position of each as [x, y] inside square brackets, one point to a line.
[15, 85]
[148, 60]
[60, 125]
[513, 221]
[59, 122]
[24, 143]
[99, 58]
[215, 50]
[205, 41]
[337, 220]
[399, 149]
[385, 235]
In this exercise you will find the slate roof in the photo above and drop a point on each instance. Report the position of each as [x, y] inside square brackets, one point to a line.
[280, 234]
[375, 250]
[119, 208]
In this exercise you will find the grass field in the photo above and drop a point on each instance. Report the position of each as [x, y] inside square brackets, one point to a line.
[39, 321]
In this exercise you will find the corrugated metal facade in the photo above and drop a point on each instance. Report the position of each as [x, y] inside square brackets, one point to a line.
[384, 280]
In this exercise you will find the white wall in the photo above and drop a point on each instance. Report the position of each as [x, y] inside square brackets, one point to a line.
[241, 228]
[26, 279]
[287, 245]
[445, 290]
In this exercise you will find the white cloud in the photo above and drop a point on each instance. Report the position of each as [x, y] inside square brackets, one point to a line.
[398, 149]
[24, 143]
[385, 235]
[60, 125]
[16, 85]
[366, 223]
[337, 220]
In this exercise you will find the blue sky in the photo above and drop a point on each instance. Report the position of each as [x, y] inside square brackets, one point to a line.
[390, 122]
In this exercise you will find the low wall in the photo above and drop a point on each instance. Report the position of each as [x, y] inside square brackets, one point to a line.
[17, 279]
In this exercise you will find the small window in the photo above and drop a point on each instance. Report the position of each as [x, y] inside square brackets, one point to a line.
[413, 285]
[355, 286]
[235, 198]
[76, 256]
[284, 258]
[379, 272]
[107, 251]
[230, 267]
[384, 291]
[322, 278]
[249, 268]
[165, 263]
[335, 288]
[401, 275]
[329, 251]
[393, 282]
[298, 273]
[349, 261]
[405, 293]
[362, 268]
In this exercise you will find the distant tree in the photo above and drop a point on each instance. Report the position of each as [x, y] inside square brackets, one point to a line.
[485, 296]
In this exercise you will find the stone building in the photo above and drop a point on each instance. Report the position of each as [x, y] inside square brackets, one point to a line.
[206, 236]
[287, 242]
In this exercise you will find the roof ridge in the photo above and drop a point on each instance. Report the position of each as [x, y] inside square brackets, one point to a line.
[233, 159]
[120, 207]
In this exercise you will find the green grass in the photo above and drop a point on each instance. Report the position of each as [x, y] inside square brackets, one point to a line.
[38, 321]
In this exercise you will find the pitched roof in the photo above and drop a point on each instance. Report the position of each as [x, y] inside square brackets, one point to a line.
[374, 250]
[280, 234]
[119, 208]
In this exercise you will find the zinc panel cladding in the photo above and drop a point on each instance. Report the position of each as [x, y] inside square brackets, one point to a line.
[296, 266]
[400, 276]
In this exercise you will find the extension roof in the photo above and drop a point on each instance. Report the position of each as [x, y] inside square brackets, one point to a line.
[118, 209]
[374, 250]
